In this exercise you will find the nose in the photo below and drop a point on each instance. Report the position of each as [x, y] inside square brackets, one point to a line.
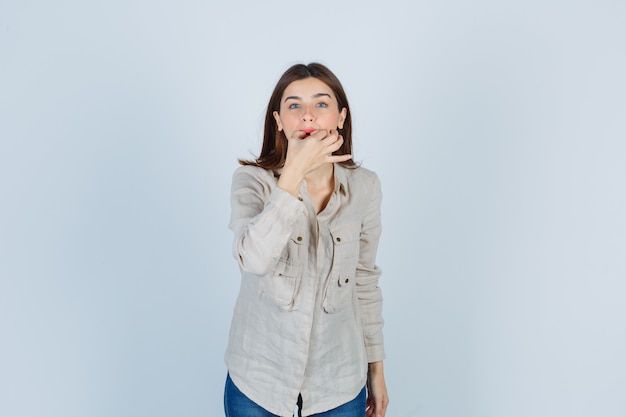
[308, 115]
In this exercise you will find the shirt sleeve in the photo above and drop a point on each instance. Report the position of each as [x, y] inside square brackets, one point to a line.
[368, 274]
[262, 218]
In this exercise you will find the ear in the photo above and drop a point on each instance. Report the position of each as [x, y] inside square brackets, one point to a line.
[278, 122]
[342, 117]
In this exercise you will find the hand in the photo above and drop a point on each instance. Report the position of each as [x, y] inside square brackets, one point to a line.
[305, 154]
[377, 397]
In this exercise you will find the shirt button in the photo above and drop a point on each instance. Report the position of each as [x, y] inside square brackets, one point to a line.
[347, 280]
[338, 239]
[299, 238]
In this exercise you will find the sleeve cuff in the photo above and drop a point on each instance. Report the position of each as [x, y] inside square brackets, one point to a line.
[285, 202]
[375, 353]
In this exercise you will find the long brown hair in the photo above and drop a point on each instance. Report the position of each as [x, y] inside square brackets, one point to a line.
[274, 150]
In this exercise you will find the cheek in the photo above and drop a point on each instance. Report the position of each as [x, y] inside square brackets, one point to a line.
[290, 122]
[331, 121]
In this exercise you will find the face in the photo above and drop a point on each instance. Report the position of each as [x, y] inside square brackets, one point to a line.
[306, 106]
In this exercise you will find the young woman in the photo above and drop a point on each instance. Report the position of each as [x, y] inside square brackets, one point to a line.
[307, 325]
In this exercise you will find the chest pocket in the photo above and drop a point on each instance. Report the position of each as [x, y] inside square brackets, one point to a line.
[281, 285]
[340, 287]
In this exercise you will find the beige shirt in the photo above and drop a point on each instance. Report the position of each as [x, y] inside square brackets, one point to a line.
[308, 318]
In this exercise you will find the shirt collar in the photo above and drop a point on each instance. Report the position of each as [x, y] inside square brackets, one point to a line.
[341, 178]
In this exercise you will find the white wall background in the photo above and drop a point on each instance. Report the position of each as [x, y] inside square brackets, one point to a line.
[497, 128]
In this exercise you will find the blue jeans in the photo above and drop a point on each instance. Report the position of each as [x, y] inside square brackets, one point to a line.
[236, 404]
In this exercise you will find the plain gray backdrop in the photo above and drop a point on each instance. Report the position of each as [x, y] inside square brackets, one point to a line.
[497, 129]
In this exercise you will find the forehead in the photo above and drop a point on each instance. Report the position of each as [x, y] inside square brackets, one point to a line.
[307, 88]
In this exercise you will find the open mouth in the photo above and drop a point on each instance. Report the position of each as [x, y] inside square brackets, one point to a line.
[308, 131]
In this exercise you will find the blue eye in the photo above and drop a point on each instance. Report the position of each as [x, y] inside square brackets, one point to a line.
[322, 105]
[294, 106]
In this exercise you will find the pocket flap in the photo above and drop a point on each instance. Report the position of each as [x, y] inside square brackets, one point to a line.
[345, 233]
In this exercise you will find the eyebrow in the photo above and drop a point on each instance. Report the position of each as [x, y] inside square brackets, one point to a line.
[318, 95]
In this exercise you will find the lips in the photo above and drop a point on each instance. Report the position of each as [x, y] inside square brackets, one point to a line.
[308, 130]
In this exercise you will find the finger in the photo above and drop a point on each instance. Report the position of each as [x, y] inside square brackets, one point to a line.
[334, 146]
[301, 135]
[339, 158]
[332, 140]
[297, 135]
[370, 405]
[319, 134]
[332, 136]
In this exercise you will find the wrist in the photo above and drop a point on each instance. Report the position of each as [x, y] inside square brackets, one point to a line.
[290, 181]
[375, 368]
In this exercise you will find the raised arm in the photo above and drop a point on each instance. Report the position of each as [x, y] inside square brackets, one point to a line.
[262, 218]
